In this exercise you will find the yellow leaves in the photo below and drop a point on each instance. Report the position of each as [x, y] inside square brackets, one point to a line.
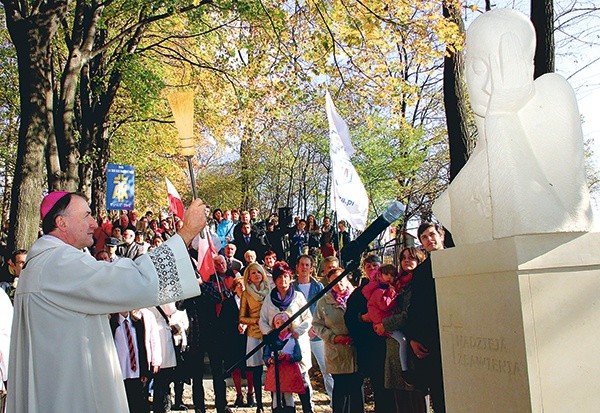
[375, 49]
[450, 35]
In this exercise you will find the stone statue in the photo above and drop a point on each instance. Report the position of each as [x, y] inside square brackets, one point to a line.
[526, 174]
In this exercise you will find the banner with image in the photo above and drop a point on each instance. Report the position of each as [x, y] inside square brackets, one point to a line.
[120, 187]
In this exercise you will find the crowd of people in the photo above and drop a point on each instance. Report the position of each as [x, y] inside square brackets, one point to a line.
[382, 326]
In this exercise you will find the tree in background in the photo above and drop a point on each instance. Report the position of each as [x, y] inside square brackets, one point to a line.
[374, 58]
[460, 138]
[9, 119]
[542, 17]
[259, 71]
[50, 145]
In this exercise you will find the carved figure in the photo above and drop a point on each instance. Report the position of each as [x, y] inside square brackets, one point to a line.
[526, 174]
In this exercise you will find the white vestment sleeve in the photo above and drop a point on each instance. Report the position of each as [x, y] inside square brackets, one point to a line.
[62, 353]
[75, 281]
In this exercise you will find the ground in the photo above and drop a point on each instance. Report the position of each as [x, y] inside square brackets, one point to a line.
[320, 398]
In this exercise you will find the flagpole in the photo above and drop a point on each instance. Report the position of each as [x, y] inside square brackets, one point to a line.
[210, 249]
[335, 219]
[192, 176]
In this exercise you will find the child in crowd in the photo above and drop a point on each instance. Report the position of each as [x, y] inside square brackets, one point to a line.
[290, 378]
[381, 294]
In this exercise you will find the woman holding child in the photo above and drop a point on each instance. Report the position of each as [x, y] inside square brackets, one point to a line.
[283, 298]
[407, 398]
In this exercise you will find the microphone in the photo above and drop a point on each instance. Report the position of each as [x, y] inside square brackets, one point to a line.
[392, 213]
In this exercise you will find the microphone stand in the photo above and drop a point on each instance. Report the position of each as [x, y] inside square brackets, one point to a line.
[273, 334]
[355, 249]
[276, 347]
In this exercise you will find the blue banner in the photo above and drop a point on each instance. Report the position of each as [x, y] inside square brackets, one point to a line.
[120, 187]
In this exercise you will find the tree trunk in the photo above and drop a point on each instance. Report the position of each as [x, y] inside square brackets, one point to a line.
[8, 177]
[68, 149]
[99, 171]
[32, 37]
[67, 152]
[246, 171]
[94, 145]
[542, 17]
[97, 99]
[455, 98]
[86, 163]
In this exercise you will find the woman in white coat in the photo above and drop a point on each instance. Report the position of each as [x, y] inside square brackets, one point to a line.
[284, 298]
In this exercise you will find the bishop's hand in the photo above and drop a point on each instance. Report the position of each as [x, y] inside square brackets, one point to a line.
[194, 221]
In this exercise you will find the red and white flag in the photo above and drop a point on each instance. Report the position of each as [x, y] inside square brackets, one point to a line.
[206, 251]
[175, 203]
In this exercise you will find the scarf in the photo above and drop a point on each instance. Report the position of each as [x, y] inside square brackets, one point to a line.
[288, 348]
[258, 295]
[285, 334]
[342, 298]
[405, 278]
[282, 303]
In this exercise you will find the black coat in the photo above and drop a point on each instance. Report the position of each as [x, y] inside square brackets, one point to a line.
[255, 245]
[276, 242]
[422, 323]
[370, 347]
[234, 343]
[202, 314]
[345, 238]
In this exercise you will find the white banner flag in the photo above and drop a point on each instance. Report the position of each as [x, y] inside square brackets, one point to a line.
[348, 195]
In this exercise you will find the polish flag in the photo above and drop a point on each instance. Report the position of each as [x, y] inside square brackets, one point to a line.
[206, 251]
[175, 203]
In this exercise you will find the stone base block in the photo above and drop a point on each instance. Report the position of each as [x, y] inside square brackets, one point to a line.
[520, 324]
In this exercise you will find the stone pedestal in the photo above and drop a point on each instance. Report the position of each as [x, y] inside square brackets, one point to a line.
[520, 324]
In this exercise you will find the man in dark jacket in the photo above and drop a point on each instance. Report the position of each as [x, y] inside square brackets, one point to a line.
[248, 241]
[422, 327]
[370, 347]
[342, 238]
[205, 336]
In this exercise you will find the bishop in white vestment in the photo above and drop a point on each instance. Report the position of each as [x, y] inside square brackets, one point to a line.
[63, 357]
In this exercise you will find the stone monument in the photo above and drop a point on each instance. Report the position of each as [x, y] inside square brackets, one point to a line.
[519, 296]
